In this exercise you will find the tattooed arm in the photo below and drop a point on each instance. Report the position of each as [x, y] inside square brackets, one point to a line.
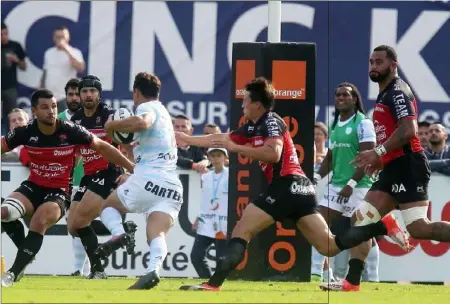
[407, 129]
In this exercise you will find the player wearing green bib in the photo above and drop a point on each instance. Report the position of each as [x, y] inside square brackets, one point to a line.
[73, 104]
[351, 133]
[81, 263]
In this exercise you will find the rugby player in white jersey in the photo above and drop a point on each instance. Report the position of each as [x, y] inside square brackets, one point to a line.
[154, 188]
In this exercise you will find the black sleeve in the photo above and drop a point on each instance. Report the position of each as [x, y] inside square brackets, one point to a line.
[184, 162]
[240, 136]
[16, 137]
[20, 52]
[274, 128]
[199, 155]
[79, 135]
[401, 103]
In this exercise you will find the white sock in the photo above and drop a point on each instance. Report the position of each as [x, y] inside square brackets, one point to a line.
[158, 253]
[80, 254]
[317, 263]
[371, 269]
[112, 219]
[328, 275]
[341, 264]
[87, 267]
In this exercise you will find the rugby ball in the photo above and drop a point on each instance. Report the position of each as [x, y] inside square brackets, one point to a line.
[122, 137]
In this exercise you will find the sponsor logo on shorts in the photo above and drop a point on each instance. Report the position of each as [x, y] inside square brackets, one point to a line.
[163, 192]
[303, 187]
[245, 72]
[398, 188]
[289, 79]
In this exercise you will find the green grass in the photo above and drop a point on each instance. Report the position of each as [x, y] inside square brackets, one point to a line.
[76, 290]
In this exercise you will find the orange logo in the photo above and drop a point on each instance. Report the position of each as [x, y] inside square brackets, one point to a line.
[289, 79]
[245, 72]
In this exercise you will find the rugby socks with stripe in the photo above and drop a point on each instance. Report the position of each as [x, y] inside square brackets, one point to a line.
[26, 252]
[16, 231]
[90, 243]
[358, 234]
[235, 254]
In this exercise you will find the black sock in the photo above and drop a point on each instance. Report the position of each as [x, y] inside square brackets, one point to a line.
[15, 231]
[235, 254]
[26, 252]
[90, 243]
[356, 267]
[358, 234]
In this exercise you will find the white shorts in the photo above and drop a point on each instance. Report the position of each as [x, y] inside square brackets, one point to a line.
[330, 200]
[145, 196]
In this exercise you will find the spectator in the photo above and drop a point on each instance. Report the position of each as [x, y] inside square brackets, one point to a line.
[189, 157]
[438, 152]
[211, 128]
[13, 56]
[211, 223]
[320, 138]
[17, 118]
[61, 63]
[424, 135]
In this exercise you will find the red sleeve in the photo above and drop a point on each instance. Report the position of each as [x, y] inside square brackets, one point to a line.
[23, 156]
[240, 136]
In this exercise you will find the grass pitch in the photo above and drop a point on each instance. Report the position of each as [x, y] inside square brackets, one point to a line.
[33, 289]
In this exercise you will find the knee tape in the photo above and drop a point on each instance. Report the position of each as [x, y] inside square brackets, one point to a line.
[366, 214]
[413, 214]
[15, 209]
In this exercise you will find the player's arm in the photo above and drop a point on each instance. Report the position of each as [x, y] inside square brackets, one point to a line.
[131, 124]
[270, 152]
[205, 141]
[326, 165]
[402, 109]
[13, 139]
[367, 139]
[110, 153]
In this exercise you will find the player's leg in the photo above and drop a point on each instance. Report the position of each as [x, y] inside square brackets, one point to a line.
[46, 215]
[112, 218]
[80, 256]
[17, 205]
[198, 255]
[329, 208]
[370, 273]
[254, 219]
[221, 250]
[79, 225]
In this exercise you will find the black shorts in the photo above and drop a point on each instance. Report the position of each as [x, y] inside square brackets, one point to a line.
[405, 178]
[288, 197]
[101, 183]
[39, 195]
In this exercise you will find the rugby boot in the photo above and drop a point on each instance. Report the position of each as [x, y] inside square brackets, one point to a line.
[97, 275]
[395, 232]
[147, 281]
[203, 286]
[124, 240]
[343, 285]
[8, 279]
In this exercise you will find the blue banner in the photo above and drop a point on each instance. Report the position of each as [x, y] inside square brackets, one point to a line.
[188, 45]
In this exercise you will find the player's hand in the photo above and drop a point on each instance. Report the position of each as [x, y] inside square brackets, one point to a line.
[182, 139]
[201, 167]
[344, 194]
[122, 178]
[226, 143]
[367, 158]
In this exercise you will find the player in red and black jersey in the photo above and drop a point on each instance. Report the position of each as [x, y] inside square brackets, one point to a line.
[405, 174]
[51, 145]
[290, 194]
[99, 178]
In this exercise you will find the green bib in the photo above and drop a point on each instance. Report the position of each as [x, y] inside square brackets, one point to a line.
[345, 145]
[78, 171]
